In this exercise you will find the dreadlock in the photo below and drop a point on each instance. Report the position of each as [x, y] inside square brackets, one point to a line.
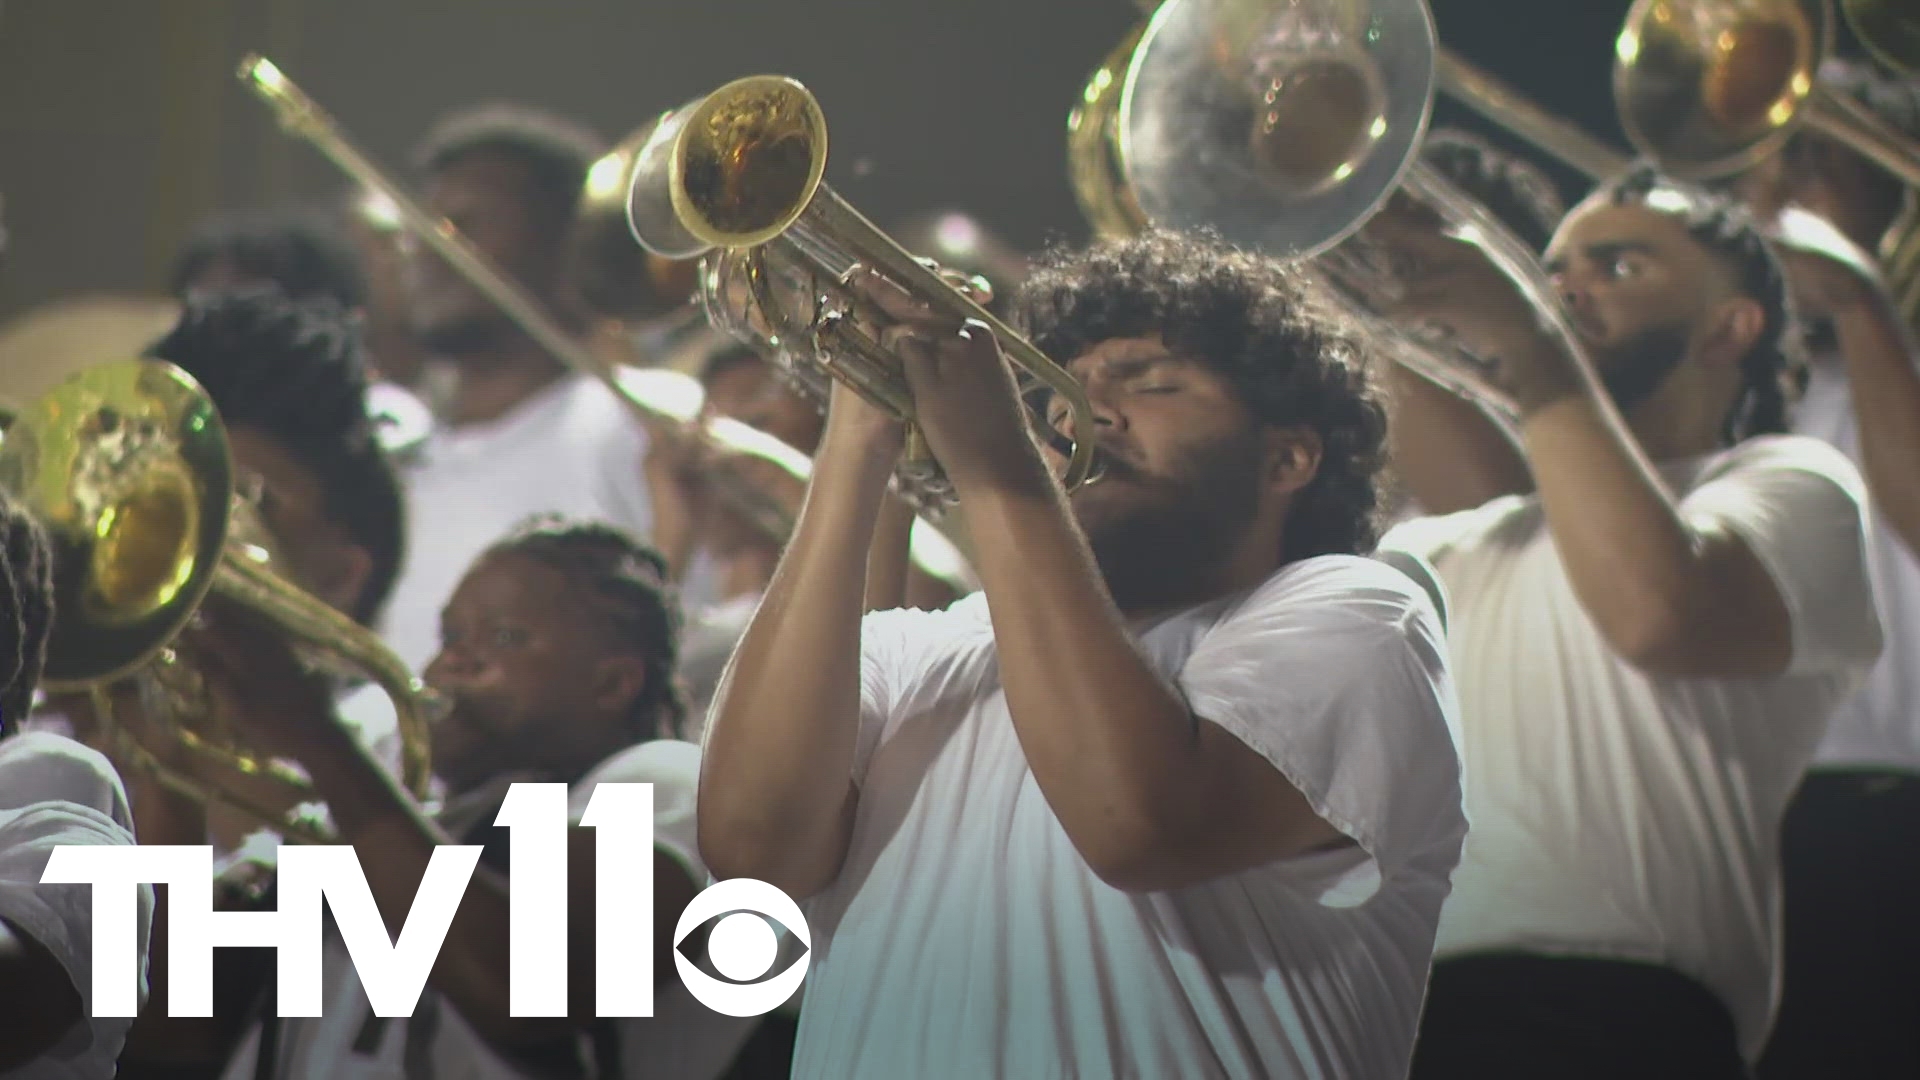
[294, 370]
[1774, 369]
[26, 608]
[626, 581]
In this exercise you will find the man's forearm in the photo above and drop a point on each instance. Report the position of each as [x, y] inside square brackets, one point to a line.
[1120, 759]
[395, 841]
[1880, 355]
[1629, 555]
[776, 773]
[1450, 453]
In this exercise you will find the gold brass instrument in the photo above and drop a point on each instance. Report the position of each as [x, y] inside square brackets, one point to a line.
[301, 117]
[737, 177]
[126, 464]
[611, 274]
[1709, 87]
[1285, 126]
[1094, 133]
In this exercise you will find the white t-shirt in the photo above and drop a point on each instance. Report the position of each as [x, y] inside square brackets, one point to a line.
[683, 1040]
[1880, 725]
[571, 449]
[54, 792]
[966, 936]
[1624, 816]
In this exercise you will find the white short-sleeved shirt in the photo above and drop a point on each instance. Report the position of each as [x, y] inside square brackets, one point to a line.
[1878, 727]
[1616, 814]
[56, 792]
[966, 937]
[683, 1040]
[571, 449]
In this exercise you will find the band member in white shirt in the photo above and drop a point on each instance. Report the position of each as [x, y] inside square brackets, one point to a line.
[1648, 649]
[1176, 795]
[53, 792]
[288, 380]
[1852, 966]
[519, 434]
[558, 651]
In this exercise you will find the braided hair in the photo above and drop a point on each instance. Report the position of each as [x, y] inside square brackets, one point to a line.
[626, 582]
[295, 370]
[1774, 369]
[26, 608]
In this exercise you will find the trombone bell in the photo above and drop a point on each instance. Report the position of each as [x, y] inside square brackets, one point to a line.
[1709, 87]
[1281, 124]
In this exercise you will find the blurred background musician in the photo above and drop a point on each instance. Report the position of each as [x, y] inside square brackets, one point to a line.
[519, 433]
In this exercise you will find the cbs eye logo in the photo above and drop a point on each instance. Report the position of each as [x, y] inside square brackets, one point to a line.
[742, 946]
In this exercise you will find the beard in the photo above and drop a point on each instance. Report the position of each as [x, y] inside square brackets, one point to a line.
[1164, 547]
[1637, 368]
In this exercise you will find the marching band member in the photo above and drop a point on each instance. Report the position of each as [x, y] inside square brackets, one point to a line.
[1648, 650]
[288, 381]
[53, 792]
[521, 434]
[1176, 795]
[558, 655]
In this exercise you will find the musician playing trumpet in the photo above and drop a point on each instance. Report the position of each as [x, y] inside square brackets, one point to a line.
[1178, 786]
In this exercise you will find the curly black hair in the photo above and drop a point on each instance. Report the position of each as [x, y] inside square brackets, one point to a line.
[26, 608]
[1257, 322]
[1774, 369]
[627, 582]
[1517, 194]
[295, 371]
[301, 252]
[556, 152]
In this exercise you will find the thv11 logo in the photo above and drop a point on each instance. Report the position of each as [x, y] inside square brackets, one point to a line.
[742, 946]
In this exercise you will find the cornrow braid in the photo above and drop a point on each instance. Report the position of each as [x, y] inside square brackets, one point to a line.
[627, 581]
[26, 608]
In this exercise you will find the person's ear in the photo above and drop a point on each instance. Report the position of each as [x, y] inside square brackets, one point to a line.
[618, 682]
[1734, 328]
[1292, 458]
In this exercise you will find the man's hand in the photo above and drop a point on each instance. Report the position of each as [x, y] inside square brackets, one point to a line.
[966, 400]
[256, 682]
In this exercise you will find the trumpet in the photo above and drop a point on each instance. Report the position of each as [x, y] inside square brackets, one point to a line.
[126, 465]
[660, 399]
[736, 177]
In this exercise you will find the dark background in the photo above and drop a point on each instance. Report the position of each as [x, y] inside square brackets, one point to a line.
[121, 120]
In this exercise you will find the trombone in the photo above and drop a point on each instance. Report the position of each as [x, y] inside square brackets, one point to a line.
[1285, 126]
[126, 465]
[661, 399]
[736, 177]
[1709, 87]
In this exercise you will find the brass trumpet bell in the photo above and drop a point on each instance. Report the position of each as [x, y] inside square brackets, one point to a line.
[126, 465]
[742, 179]
[1282, 125]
